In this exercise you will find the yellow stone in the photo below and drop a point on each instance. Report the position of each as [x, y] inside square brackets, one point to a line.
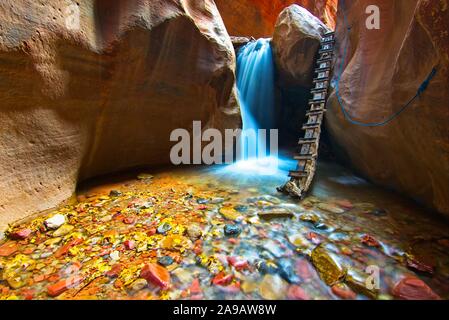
[327, 265]
[229, 213]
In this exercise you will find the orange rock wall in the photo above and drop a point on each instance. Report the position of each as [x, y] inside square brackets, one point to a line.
[382, 71]
[257, 18]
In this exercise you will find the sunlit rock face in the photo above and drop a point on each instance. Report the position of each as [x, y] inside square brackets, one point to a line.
[257, 18]
[382, 71]
[79, 102]
[296, 41]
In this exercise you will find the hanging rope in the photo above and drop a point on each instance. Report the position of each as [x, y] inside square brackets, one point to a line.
[348, 117]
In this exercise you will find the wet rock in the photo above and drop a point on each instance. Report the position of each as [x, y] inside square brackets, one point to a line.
[165, 261]
[202, 201]
[412, 288]
[184, 275]
[275, 214]
[249, 286]
[238, 263]
[114, 255]
[115, 193]
[232, 230]
[61, 286]
[8, 248]
[309, 217]
[145, 176]
[229, 213]
[267, 267]
[20, 234]
[417, 265]
[369, 241]
[342, 291]
[138, 285]
[357, 281]
[297, 293]
[287, 271]
[327, 265]
[176, 242]
[217, 200]
[273, 287]
[156, 274]
[332, 208]
[241, 208]
[63, 230]
[222, 279]
[194, 231]
[55, 222]
[129, 244]
[164, 228]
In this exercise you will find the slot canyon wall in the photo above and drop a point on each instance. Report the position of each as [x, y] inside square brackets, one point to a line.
[257, 18]
[381, 72]
[77, 103]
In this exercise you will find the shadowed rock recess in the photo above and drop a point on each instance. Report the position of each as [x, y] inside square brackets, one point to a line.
[382, 71]
[104, 97]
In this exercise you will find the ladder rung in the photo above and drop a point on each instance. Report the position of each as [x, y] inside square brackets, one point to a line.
[317, 101]
[317, 70]
[307, 140]
[316, 112]
[311, 126]
[298, 174]
[306, 157]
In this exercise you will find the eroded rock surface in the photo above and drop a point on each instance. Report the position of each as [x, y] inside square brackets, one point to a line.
[257, 18]
[296, 42]
[382, 71]
[79, 101]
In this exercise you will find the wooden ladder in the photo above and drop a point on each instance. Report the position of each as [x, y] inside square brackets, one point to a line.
[302, 177]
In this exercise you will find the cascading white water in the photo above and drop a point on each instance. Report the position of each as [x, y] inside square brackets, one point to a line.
[255, 82]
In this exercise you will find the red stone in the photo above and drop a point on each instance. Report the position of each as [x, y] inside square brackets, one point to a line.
[297, 293]
[412, 288]
[8, 248]
[303, 269]
[65, 248]
[195, 287]
[345, 204]
[56, 289]
[418, 265]
[156, 274]
[370, 241]
[222, 280]
[238, 263]
[129, 244]
[129, 220]
[21, 234]
[115, 271]
[151, 232]
[312, 236]
[344, 292]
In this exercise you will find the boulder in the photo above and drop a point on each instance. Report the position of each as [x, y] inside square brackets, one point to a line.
[257, 17]
[296, 41]
[93, 87]
[382, 71]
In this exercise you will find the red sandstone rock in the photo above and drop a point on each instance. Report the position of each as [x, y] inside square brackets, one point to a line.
[412, 288]
[21, 234]
[296, 42]
[78, 103]
[8, 248]
[297, 293]
[257, 17]
[156, 274]
[59, 287]
[382, 71]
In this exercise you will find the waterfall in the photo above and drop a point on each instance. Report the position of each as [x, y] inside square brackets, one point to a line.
[255, 82]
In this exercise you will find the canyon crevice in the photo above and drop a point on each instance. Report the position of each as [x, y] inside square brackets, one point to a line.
[104, 97]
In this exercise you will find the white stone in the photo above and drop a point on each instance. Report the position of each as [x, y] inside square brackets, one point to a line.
[55, 222]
